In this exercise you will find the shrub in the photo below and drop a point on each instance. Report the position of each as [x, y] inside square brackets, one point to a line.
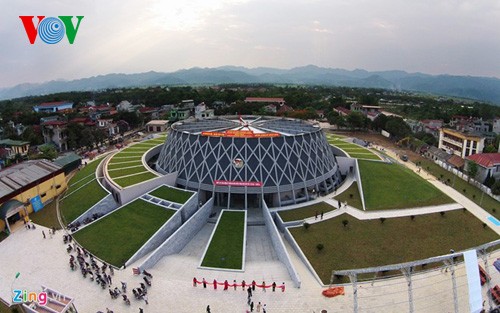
[382, 220]
[306, 225]
[345, 223]
[442, 213]
[320, 247]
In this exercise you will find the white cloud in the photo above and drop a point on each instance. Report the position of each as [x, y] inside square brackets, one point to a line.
[440, 36]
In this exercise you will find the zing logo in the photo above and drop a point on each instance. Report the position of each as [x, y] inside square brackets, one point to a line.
[51, 29]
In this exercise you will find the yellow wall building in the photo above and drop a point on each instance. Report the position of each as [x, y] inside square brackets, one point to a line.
[22, 184]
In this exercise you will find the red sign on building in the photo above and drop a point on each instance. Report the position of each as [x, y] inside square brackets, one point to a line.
[237, 183]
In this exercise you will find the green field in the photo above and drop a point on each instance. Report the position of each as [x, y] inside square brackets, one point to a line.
[354, 200]
[47, 216]
[129, 162]
[392, 186]
[372, 243]
[76, 203]
[124, 171]
[305, 212]
[472, 192]
[171, 194]
[83, 192]
[135, 179]
[122, 164]
[116, 237]
[226, 247]
[354, 150]
[83, 176]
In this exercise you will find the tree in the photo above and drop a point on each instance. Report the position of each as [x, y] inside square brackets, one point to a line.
[397, 127]
[356, 120]
[472, 169]
[48, 152]
[345, 223]
[495, 189]
[306, 225]
[320, 247]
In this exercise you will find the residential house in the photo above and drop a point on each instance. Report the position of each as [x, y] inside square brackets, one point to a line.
[157, 126]
[432, 126]
[108, 126]
[54, 107]
[496, 125]
[488, 165]
[125, 106]
[180, 114]
[15, 147]
[342, 111]
[284, 109]
[270, 108]
[437, 154]
[150, 113]
[55, 132]
[462, 144]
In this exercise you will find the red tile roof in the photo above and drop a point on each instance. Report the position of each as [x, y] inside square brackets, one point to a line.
[485, 159]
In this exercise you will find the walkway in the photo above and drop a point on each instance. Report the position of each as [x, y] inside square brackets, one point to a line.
[465, 202]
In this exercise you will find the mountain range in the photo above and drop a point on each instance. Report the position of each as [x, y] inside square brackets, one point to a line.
[477, 88]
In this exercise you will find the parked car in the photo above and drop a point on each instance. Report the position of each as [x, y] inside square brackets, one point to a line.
[404, 157]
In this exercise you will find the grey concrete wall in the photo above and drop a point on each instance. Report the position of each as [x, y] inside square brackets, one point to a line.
[345, 163]
[103, 207]
[130, 193]
[289, 238]
[338, 152]
[190, 207]
[158, 238]
[183, 235]
[279, 245]
[282, 225]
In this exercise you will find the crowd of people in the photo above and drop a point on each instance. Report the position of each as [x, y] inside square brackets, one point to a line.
[248, 287]
[102, 274]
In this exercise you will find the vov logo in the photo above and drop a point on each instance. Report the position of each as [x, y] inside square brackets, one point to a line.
[51, 29]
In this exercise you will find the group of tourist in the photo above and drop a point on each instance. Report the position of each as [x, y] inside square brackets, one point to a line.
[226, 285]
[102, 274]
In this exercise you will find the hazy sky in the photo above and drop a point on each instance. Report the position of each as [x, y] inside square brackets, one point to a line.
[439, 36]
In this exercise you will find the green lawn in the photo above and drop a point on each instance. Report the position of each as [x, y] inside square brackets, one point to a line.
[371, 243]
[305, 212]
[126, 171]
[125, 158]
[367, 156]
[172, 194]
[116, 237]
[354, 150]
[392, 186]
[83, 176]
[354, 200]
[117, 165]
[47, 216]
[226, 247]
[135, 179]
[471, 192]
[75, 204]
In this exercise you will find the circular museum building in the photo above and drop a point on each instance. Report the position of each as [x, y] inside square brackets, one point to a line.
[241, 160]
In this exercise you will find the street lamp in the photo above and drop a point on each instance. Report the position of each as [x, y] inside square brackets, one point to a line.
[11, 285]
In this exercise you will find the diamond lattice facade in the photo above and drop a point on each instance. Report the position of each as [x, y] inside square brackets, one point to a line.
[240, 161]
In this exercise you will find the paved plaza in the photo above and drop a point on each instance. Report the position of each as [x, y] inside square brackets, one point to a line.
[46, 262]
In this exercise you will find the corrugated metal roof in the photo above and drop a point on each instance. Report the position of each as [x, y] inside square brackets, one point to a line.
[20, 175]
